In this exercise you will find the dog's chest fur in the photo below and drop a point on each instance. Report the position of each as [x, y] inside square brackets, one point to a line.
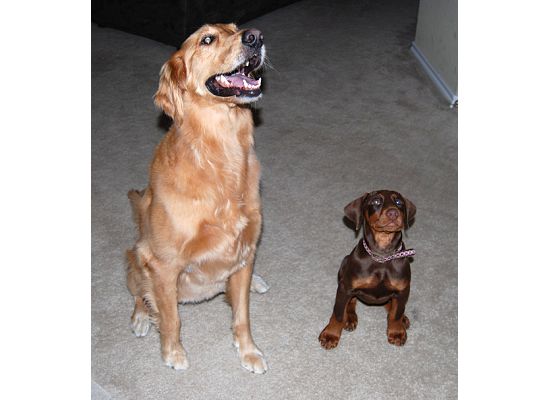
[205, 196]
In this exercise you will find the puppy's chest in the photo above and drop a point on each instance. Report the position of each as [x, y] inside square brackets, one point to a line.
[380, 281]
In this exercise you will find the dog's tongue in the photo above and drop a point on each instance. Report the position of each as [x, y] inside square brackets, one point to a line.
[239, 81]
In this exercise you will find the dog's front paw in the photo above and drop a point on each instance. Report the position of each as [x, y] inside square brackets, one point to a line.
[258, 285]
[176, 358]
[397, 337]
[328, 340]
[253, 361]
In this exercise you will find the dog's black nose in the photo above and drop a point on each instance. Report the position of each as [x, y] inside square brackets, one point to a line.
[392, 213]
[253, 38]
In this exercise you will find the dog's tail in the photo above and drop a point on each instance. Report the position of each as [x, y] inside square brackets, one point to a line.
[139, 202]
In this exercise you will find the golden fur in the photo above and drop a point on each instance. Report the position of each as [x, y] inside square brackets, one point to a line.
[199, 218]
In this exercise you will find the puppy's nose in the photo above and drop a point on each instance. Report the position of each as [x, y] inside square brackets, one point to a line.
[392, 213]
[253, 38]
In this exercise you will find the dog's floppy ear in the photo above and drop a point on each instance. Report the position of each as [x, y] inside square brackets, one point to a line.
[354, 211]
[410, 209]
[169, 96]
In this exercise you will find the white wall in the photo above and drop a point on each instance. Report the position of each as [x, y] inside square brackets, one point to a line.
[437, 38]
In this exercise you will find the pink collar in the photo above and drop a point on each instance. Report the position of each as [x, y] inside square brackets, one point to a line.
[399, 254]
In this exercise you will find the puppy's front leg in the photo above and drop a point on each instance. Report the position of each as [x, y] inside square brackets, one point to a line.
[398, 323]
[164, 282]
[238, 290]
[330, 336]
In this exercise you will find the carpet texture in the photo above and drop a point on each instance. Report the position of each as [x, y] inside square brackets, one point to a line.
[345, 110]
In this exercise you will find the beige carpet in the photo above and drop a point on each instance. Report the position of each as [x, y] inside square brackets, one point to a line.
[345, 110]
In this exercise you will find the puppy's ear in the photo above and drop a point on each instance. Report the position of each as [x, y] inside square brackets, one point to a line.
[354, 211]
[410, 209]
[169, 96]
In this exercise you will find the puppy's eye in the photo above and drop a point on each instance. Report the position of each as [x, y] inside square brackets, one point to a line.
[208, 39]
[398, 203]
[376, 202]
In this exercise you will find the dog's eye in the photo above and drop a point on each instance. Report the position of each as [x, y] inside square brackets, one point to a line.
[376, 202]
[398, 203]
[208, 39]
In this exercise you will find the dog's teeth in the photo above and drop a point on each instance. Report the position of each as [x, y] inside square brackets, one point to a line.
[247, 63]
[259, 82]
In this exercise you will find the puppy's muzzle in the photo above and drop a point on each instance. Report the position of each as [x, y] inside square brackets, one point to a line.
[392, 213]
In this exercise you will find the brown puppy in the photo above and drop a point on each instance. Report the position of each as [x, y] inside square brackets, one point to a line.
[199, 218]
[377, 271]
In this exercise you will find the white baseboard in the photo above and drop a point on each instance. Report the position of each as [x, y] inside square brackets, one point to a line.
[434, 76]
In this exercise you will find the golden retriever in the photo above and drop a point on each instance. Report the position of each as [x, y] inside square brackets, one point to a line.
[199, 218]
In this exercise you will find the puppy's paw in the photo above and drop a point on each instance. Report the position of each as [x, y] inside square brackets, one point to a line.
[351, 322]
[397, 337]
[328, 340]
[258, 285]
[140, 323]
[176, 359]
[253, 361]
[406, 322]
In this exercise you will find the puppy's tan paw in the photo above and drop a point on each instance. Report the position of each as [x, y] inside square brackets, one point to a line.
[140, 323]
[176, 359]
[328, 340]
[351, 322]
[406, 322]
[397, 337]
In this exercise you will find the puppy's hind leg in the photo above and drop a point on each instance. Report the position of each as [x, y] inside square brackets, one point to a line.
[398, 323]
[351, 315]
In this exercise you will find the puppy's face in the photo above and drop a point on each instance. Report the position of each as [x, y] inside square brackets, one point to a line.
[218, 63]
[383, 210]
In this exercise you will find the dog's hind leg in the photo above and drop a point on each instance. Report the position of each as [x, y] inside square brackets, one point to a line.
[351, 315]
[139, 200]
[140, 320]
[398, 323]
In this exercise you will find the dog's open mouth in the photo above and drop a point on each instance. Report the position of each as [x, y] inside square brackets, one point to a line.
[240, 82]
